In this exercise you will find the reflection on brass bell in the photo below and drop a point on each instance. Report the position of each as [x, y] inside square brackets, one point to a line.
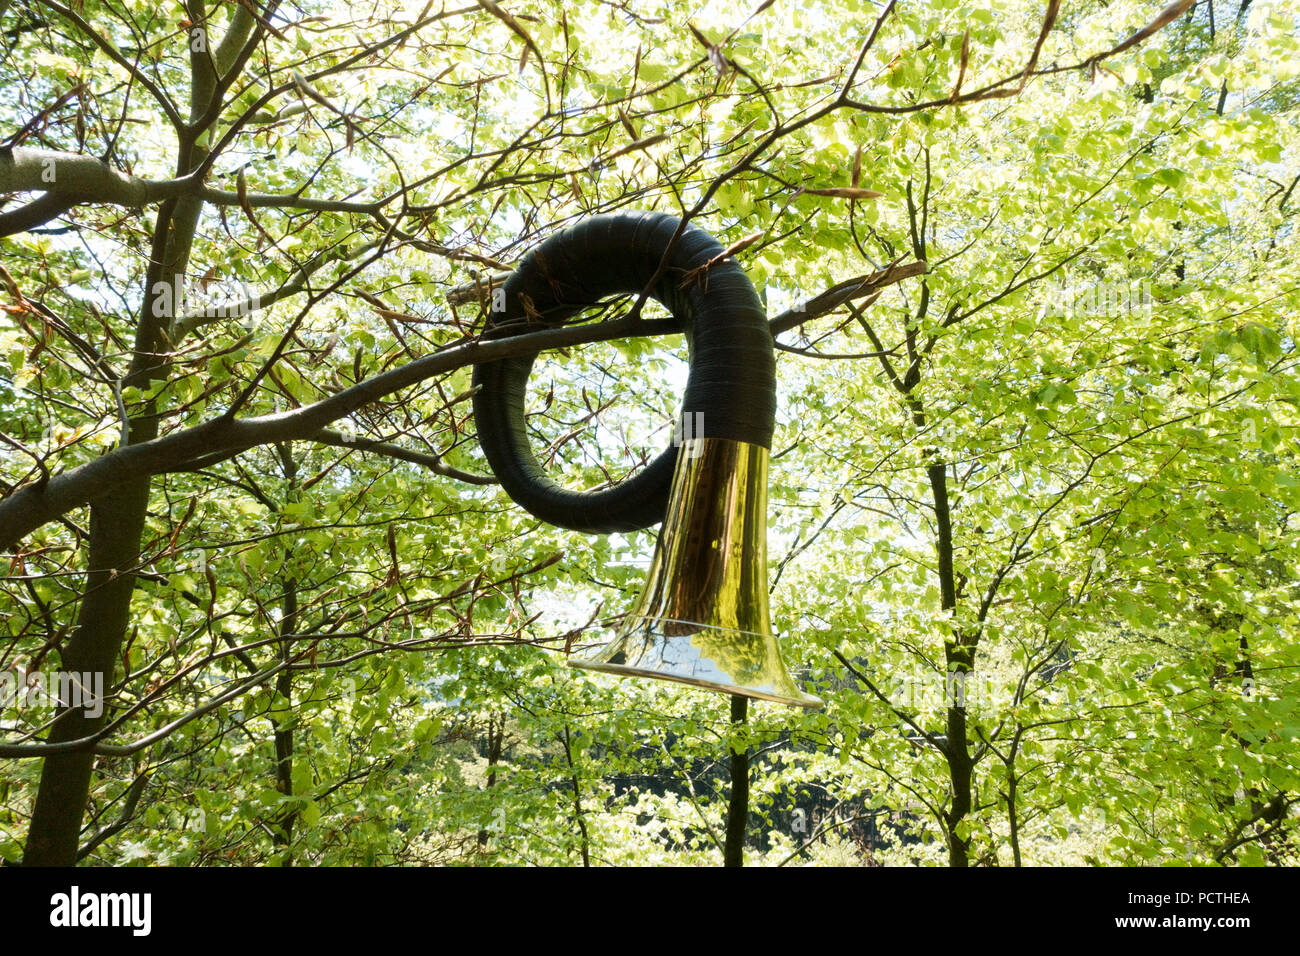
[702, 618]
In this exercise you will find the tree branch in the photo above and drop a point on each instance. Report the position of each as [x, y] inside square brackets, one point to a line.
[32, 505]
[434, 463]
[70, 179]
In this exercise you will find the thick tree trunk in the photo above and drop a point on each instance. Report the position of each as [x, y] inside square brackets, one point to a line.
[117, 523]
[117, 519]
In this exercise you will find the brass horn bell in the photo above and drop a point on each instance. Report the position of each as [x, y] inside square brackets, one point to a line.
[702, 618]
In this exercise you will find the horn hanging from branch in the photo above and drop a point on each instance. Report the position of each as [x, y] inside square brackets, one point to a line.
[702, 618]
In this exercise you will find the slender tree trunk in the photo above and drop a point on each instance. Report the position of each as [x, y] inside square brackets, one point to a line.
[960, 659]
[284, 771]
[283, 726]
[578, 815]
[1013, 817]
[738, 806]
[496, 745]
[959, 776]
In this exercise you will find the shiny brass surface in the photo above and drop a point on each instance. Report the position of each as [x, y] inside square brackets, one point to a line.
[702, 618]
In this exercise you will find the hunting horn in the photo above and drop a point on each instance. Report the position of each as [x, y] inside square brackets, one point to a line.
[702, 618]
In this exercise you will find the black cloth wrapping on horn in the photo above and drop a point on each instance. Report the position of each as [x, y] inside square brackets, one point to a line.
[732, 380]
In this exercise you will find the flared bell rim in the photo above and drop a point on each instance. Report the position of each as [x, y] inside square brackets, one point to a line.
[694, 654]
[702, 617]
[806, 701]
